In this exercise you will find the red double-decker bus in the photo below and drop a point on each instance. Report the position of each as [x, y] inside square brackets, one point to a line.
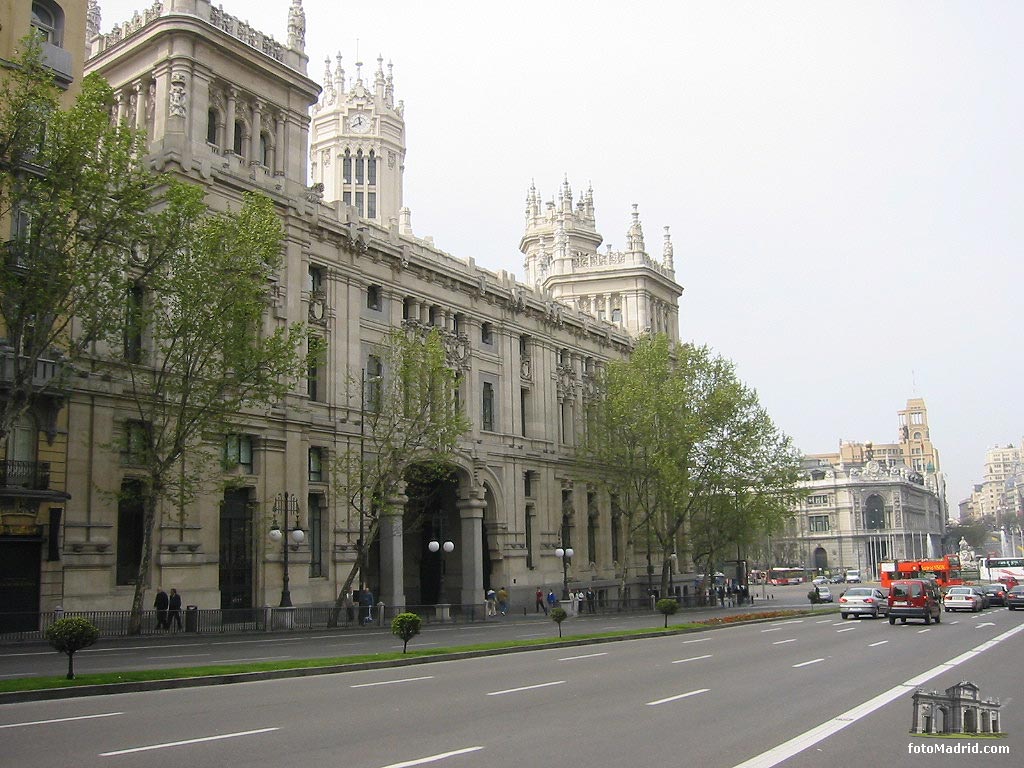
[945, 571]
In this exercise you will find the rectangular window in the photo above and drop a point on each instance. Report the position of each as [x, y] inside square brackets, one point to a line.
[359, 169]
[238, 452]
[316, 465]
[524, 408]
[359, 203]
[346, 198]
[136, 443]
[373, 297]
[130, 512]
[524, 347]
[616, 315]
[488, 407]
[316, 279]
[133, 324]
[528, 484]
[371, 205]
[530, 513]
[371, 170]
[316, 536]
[486, 333]
[346, 172]
[820, 500]
[616, 526]
[818, 523]
[373, 385]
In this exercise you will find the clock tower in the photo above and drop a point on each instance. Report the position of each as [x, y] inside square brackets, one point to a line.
[357, 144]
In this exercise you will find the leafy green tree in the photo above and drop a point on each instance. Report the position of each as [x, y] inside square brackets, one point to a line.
[71, 635]
[558, 615]
[76, 194]
[681, 441]
[405, 626]
[195, 351]
[410, 417]
[667, 606]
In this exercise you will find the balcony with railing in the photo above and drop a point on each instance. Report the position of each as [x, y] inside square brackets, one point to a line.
[25, 475]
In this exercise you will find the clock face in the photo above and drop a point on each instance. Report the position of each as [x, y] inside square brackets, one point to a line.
[359, 122]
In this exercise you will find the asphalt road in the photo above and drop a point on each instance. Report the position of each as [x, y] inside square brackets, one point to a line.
[720, 699]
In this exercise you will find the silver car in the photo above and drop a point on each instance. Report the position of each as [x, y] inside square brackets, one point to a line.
[863, 601]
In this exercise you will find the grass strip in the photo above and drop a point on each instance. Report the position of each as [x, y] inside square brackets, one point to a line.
[133, 676]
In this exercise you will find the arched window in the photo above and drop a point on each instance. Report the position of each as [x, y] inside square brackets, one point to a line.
[346, 167]
[875, 513]
[371, 168]
[359, 167]
[211, 127]
[48, 22]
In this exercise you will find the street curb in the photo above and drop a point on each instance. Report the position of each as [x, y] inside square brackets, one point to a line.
[51, 694]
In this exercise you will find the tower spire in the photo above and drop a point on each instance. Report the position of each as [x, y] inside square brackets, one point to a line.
[297, 27]
[667, 252]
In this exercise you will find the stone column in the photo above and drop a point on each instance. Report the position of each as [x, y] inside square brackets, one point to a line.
[471, 514]
[255, 157]
[141, 92]
[392, 574]
[229, 123]
[279, 153]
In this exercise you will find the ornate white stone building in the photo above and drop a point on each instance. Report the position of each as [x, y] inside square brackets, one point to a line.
[232, 109]
[868, 503]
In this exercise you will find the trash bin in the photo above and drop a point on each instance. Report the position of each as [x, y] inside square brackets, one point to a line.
[191, 618]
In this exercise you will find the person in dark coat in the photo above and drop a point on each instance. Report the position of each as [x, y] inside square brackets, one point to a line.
[366, 605]
[162, 604]
[174, 609]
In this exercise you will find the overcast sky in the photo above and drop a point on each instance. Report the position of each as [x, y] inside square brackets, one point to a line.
[842, 180]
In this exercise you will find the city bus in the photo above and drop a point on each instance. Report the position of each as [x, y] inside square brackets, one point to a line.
[1001, 568]
[786, 575]
[945, 570]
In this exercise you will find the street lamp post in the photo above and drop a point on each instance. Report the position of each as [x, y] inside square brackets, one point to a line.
[445, 547]
[285, 505]
[565, 555]
[673, 559]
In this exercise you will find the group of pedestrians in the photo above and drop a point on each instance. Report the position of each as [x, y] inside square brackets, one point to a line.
[497, 601]
[168, 609]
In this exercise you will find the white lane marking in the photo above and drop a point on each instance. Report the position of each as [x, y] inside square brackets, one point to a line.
[250, 658]
[986, 624]
[809, 738]
[783, 642]
[392, 682]
[773, 629]
[824, 621]
[698, 640]
[692, 658]
[584, 656]
[954, 622]
[676, 698]
[880, 642]
[526, 688]
[784, 623]
[845, 629]
[60, 720]
[169, 744]
[534, 634]
[805, 663]
[433, 758]
[418, 645]
[928, 629]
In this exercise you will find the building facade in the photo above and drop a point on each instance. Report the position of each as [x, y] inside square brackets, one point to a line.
[868, 503]
[999, 498]
[34, 451]
[230, 108]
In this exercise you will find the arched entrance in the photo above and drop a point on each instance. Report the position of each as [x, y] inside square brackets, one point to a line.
[820, 559]
[431, 515]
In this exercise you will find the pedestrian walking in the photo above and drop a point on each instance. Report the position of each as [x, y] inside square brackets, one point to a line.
[492, 602]
[174, 609]
[541, 605]
[161, 604]
[591, 600]
[366, 605]
[503, 601]
[552, 599]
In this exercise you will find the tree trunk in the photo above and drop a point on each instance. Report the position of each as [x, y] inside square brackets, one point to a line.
[71, 666]
[142, 577]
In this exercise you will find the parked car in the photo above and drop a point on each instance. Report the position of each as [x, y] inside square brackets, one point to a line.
[1015, 598]
[985, 602]
[824, 593]
[996, 593]
[915, 599]
[961, 599]
[863, 601]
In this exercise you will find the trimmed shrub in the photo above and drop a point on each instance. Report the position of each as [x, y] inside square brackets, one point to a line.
[558, 615]
[667, 606]
[70, 635]
[405, 626]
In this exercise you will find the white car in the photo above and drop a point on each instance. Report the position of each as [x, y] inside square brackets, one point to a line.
[961, 599]
[863, 601]
[819, 580]
[853, 577]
